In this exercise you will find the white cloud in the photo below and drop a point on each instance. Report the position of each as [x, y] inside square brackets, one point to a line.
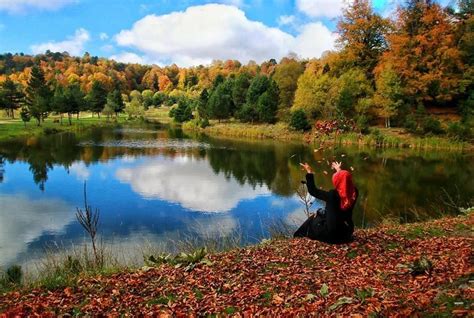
[21, 6]
[80, 170]
[107, 48]
[204, 33]
[23, 220]
[286, 20]
[192, 184]
[128, 57]
[74, 45]
[321, 8]
[103, 36]
[314, 39]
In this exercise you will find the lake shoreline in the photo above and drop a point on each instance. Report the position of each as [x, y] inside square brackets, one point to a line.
[414, 261]
[379, 137]
[384, 138]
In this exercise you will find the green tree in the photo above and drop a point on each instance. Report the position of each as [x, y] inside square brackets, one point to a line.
[147, 98]
[38, 95]
[239, 91]
[159, 98]
[11, 97]
[59, 102]
[25, 115]
[267, 104]
[220, 105]
[97, 97]
[183, 112]
[311, 94]
[389, 95]
[299, 120]
[134, 108]
[75, 100]
[115, 102]
[202, 104]
[286, 76]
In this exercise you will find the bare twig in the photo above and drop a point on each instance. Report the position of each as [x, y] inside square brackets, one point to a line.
[89, 220]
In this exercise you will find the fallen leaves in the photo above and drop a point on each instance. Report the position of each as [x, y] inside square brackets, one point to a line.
[299, 277]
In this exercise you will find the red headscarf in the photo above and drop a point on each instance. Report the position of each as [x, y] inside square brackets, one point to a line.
[342, 181]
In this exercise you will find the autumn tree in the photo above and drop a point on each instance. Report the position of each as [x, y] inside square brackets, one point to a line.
[286, 77]
[362, 35]
[423, 53]
[389, 95]
[311, 93]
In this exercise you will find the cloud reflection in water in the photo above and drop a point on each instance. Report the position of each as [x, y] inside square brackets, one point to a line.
[189, 182]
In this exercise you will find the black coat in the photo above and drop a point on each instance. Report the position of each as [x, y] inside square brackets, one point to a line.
[335, 226]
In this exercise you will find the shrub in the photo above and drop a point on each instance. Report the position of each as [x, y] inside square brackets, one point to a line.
[299, 121]
[12, 276]
[183, 112]
[432, 125]
[411, 124]
[459, 131]
[362, 124]
[204, 123]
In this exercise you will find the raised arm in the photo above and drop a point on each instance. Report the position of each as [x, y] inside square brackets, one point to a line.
[313, 190]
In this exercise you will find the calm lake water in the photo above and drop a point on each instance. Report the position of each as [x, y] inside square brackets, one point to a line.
[152, 184]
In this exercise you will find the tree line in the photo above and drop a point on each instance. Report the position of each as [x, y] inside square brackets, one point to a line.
[387, 71]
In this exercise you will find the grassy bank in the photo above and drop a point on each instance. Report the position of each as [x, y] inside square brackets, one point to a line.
[416, 269]
[11, 128]
[381, 137]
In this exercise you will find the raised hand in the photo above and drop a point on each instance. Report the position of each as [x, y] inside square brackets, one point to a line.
[306, 167]
[336, 166]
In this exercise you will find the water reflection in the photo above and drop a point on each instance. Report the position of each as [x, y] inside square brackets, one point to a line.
[189, 182]
[24, 220]
[157, 183]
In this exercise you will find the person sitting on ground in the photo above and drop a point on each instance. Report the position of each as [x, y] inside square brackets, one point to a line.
[334, 223]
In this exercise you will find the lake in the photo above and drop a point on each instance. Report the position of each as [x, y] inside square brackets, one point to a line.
[153, 184]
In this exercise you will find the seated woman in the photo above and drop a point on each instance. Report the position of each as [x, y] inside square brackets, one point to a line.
[335, 224]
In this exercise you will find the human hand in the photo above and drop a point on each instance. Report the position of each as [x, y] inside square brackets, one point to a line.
[336, 166]
[306, 167]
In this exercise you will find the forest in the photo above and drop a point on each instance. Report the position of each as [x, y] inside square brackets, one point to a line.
[385, 72]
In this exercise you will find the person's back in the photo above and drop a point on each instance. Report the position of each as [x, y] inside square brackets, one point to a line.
[335, 225]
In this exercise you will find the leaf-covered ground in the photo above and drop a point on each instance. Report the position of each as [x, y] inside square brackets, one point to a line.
[369, 277]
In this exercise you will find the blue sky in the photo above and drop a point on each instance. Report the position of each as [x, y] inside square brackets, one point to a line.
[187, 32]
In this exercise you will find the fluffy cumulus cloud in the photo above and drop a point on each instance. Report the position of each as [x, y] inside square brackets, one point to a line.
[21, 6]
[313, 40]
[128, 57]
[74, 44]
[192, 184]
[203, 33]
[321, 8]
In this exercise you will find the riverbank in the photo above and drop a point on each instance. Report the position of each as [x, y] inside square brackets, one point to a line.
[14, 128]
[378, 137]
[415, 269]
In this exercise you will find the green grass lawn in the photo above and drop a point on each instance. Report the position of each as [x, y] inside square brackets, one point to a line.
[10, 128]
